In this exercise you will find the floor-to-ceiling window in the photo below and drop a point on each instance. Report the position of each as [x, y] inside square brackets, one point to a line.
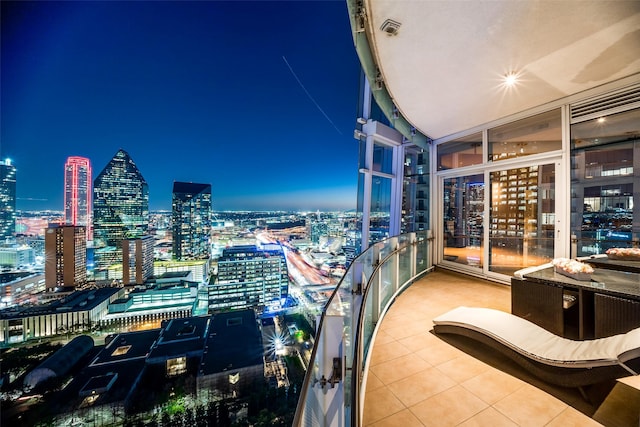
[415, 190]
[463, 214]
[604, 182]
[498, 191]
[522, 217]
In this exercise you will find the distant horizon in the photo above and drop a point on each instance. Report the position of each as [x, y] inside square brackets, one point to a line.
[284, 211]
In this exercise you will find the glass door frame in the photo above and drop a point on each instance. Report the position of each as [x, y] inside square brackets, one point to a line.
[561, 228]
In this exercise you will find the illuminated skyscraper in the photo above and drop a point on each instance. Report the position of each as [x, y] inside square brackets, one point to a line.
[137, 260]
[65, 256]
[7, 199]
[120, 208]
[250, 277]
[77, 193]
[191, 220]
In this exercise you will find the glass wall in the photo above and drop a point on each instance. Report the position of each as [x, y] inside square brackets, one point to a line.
[464, 220]
[516, 226]
[462, 152]
[380, 209]
[603, 213]
[522, 218]
[415, 191]
[541, 133]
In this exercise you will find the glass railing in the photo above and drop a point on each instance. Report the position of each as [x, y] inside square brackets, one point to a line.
[332, 394]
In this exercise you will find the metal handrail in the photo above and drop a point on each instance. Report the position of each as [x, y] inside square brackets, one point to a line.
[357, 346]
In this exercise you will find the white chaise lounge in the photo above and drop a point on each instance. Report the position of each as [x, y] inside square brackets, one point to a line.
[552, 358]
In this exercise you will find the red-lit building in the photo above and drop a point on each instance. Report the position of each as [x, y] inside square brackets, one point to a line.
[77, 193]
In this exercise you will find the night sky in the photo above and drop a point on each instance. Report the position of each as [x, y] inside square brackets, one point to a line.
[258, 99]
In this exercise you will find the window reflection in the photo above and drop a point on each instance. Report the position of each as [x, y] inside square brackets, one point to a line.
[462, 152]
[537, 134]
[603, 182]
[522, 218]
[464, 219]
[380, 209]
[382, 158]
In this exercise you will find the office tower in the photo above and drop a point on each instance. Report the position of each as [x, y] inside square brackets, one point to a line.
[250, 277]
[191, 220]
[120, 208]
[77, 193]
[7, 199]
[65, 256]
[137, 260]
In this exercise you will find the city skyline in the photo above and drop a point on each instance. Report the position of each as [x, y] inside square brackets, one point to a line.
[261, 105]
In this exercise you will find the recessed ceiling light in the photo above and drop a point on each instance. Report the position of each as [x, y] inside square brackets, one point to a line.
[510, 78]
[602, 119]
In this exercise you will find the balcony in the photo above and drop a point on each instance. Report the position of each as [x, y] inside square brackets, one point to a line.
[390, 369]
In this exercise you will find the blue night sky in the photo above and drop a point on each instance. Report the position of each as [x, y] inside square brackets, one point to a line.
[258, 99]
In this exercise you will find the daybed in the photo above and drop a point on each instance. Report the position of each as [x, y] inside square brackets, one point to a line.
[552, 358]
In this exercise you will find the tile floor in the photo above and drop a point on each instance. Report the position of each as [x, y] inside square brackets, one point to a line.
[415, 378]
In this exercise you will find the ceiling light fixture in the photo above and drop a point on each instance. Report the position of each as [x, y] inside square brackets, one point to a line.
[602, 119]
[511, 78]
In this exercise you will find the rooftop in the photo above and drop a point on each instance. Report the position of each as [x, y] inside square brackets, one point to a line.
[234, 341]
[77, 301]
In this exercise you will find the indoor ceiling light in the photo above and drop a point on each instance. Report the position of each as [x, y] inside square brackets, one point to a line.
[511, 78]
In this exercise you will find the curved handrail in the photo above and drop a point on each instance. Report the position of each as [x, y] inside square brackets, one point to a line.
[378, 260]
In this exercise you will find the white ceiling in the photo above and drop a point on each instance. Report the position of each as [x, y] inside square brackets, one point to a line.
[444, 68]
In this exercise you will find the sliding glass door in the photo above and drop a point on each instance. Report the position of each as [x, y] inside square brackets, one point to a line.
[500, 221]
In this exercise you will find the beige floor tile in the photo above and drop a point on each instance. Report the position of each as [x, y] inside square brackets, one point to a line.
[380, 404]
[439, 352]
[572, 418]
[449, 408]
[529, 406]
[421, 386]
[421, 341]
[383, 338]
[389, 351]
[399, 368]
[373, 383]
[492, 385]
[463, 368]
[400, 419]
[488, 417]
[408, 330]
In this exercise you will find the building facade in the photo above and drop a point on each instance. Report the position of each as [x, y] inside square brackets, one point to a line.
[77, 312]
[191, 205]
[249, 277]
[17, 256]
[78, 193]
[120, 208]
[540, 165]
[137, 260]
[7, 199]
[65, 257]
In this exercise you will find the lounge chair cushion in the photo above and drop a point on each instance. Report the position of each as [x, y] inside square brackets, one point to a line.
[541, 345]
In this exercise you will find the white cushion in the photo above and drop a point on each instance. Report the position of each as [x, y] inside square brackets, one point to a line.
[537, 343]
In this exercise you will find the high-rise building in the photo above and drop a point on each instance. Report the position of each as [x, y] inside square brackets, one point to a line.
[77, 193]
[7, 199]
[191, 220]
[65, 256]
[137, 260]
[120, 208]
[250, 277]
